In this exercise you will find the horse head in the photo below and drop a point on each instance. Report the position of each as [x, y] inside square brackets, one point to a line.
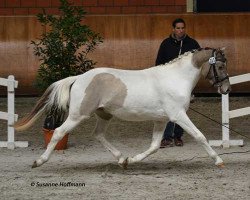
[215, 70]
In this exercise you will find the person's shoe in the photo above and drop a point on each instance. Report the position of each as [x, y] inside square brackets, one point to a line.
[178, 142]
[166, 143]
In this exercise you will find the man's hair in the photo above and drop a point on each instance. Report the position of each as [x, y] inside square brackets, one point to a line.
[178, 20]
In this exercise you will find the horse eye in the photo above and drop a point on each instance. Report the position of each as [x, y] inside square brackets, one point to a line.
[221, 67]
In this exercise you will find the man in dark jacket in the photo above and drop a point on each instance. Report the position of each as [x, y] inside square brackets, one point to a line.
[176, 44]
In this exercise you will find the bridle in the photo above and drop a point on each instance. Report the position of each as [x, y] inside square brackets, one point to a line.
[212, 61]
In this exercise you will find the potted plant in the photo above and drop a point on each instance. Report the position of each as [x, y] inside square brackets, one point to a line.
[62, 50]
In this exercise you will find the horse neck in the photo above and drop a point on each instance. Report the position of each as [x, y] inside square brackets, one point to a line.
[201, 56]
[184, 71]
[192, 73]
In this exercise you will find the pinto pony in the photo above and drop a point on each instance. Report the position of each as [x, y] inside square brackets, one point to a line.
[159, 93]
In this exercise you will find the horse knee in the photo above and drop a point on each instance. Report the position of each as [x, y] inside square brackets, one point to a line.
[201, 138]
[57, 136]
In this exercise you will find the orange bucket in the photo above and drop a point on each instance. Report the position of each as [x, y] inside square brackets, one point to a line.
[61, 145]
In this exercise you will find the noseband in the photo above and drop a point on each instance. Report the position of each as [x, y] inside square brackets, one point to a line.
[212, 60]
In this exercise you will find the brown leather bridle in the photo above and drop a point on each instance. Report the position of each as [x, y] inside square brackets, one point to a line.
[212, 61]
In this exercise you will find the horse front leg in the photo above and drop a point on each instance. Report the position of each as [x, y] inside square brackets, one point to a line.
[159, 127]
[184, 121]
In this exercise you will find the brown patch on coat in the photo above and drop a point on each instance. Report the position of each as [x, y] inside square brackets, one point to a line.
[104, 92]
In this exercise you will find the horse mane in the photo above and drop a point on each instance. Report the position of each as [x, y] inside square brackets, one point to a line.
[185, 54]
[179, 57]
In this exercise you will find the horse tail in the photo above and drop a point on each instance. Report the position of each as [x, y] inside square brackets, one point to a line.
[56, 96]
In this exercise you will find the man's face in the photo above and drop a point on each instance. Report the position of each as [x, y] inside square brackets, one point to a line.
[179, 30]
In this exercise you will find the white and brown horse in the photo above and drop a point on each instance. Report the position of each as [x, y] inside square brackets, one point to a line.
[159, 94]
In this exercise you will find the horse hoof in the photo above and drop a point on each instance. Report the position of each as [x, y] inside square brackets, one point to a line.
[221, 165]
[34, 165]
[125, 164]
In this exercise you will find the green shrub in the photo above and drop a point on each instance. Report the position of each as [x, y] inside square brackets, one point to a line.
[64, 46]
[62, 50]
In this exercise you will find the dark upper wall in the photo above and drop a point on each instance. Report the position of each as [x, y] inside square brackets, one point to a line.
[32, 7]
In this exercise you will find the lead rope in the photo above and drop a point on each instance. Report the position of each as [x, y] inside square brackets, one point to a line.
[181, 47]
[219, 123]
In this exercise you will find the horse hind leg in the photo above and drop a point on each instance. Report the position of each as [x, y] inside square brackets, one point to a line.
[155, 144]
[58, 134]
[103, 120]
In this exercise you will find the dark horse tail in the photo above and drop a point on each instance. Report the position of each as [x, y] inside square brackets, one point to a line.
[56, 96]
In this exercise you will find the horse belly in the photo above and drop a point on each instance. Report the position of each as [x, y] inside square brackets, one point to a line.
[139, 116]
[140, 111]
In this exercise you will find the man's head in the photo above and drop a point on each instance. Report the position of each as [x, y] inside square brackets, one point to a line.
[179, 28]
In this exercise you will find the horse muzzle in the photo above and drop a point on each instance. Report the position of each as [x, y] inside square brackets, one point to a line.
[225, 88]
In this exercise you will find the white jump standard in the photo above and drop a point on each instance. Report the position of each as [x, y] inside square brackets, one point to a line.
[10, 116]
[229, 114]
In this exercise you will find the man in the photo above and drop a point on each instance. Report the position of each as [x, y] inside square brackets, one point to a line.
[173, 46]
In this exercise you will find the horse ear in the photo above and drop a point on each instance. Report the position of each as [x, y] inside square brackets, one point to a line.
[222, 48]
